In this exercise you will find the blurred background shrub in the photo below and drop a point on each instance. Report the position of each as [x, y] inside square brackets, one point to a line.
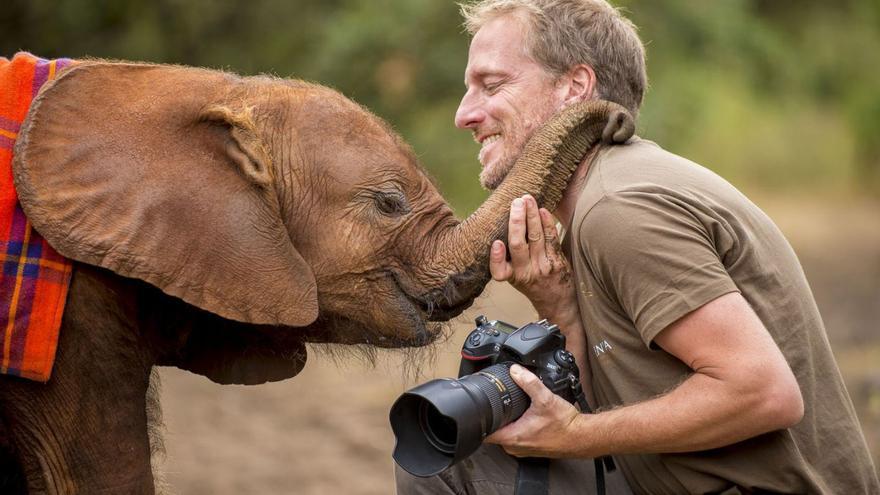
[776, 95]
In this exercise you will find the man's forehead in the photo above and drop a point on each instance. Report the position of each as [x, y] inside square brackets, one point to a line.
[499, 33]
[497, 48]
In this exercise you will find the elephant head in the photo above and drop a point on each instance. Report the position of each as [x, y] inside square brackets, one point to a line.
[220, 222]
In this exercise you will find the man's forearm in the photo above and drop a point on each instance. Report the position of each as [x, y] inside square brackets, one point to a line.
[701, 413]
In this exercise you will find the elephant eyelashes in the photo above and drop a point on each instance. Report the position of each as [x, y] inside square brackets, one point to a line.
[391, 204]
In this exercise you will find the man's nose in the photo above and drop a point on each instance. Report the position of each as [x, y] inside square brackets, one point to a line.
[469, 113]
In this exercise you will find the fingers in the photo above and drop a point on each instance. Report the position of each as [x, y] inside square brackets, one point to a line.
[551, 237]
[548, 224]
[516, 236]
[541, 395]
[535, 228]
[544, 429]
[517, 435]
[499, 267]
[526, 235]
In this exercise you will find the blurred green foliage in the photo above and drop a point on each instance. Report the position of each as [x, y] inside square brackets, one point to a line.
[779, 95]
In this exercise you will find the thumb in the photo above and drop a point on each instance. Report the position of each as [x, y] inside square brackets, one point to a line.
[531, 385]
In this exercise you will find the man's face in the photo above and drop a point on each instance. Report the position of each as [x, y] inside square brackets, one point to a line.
[508, 96]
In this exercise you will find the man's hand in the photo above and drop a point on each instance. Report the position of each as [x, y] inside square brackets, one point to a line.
[544, 429]
[537, 267]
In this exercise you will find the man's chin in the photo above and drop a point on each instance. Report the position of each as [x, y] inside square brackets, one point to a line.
[491, 177]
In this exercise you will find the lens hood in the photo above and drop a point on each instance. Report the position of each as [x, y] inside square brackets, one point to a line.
[438, 424]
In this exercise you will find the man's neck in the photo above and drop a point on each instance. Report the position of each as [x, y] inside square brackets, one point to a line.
[565, 209]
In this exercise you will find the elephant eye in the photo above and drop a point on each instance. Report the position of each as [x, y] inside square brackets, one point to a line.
[390, 203]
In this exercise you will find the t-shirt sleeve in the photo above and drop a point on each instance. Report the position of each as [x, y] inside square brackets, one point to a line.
[654, 256]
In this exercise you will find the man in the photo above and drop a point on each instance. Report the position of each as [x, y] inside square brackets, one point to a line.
[688, 312]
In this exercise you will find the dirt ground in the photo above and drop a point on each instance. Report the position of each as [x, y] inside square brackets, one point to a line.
[326, 431]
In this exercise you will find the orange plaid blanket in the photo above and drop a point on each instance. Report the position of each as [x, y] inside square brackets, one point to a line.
[34, 279]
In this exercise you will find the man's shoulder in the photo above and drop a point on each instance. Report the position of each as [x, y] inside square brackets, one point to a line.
[640, 161]
[627, 167]
[640, 167]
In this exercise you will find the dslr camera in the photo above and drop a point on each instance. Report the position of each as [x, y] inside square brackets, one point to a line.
[441, 422]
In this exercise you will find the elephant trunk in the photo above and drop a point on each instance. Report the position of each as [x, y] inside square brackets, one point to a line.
[542, 170]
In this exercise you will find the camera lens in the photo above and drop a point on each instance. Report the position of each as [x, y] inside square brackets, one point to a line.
[443, 421]
[440, 430]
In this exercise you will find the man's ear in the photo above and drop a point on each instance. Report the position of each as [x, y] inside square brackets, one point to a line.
[581, 80]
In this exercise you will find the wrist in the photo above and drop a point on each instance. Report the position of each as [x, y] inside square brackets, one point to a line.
[566, 316]
[584, 444]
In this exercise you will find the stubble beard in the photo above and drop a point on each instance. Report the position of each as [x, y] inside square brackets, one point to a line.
[492, 177]
[514, 141]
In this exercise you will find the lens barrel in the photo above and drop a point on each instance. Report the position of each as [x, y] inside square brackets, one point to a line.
[443, 421]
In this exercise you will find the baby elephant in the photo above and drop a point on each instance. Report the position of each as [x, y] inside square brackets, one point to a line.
[217, 223]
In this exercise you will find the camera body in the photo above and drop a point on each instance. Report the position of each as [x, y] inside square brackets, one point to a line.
[538, 346]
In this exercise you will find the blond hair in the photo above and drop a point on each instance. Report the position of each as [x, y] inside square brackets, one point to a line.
[564, 33]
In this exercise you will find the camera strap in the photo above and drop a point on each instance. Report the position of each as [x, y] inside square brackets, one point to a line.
[532, 476]
[601, 464]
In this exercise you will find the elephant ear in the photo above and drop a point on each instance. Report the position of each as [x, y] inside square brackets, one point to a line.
[142, 169]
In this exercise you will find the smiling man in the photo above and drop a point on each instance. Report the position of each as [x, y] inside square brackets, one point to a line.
[696, 332]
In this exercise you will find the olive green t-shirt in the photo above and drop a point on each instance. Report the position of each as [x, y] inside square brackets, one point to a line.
[654, 237]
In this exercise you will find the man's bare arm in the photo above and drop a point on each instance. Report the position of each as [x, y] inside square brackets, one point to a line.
[741, 387]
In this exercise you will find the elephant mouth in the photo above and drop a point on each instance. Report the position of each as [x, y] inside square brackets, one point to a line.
[439, 313]
[395, 320]
[436, 305]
